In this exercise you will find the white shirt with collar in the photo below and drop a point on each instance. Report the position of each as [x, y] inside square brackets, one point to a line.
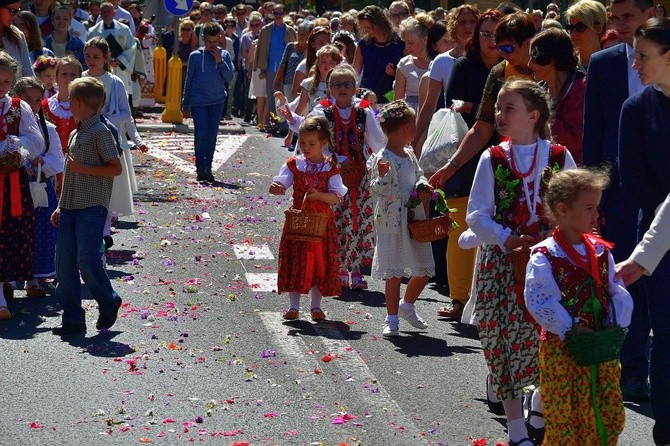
[122, 14]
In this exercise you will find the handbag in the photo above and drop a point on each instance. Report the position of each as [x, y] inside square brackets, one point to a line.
[445, 133]
[599, 346]
[38, 190]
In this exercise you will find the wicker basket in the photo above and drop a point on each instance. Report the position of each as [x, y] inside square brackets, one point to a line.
[430, 229]
[596, 347]
[10, 162]
[520, 258]
[352, 174]
[305, 226]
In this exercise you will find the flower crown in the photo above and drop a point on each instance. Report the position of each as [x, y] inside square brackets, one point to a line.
[385, 113]
[44, 62]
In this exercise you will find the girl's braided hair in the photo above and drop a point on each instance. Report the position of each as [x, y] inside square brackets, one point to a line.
[394, 114]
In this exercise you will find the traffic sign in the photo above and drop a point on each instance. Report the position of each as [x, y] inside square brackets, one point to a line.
[178, 7]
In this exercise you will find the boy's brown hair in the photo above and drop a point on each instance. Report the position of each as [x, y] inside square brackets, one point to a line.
[89, 91]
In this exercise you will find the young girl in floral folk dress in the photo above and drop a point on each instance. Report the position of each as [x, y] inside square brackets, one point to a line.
[572, 273]
[396, 174]
[310, 267]
[505, 212]
[18, 128]
[357, 135]
[52, 161]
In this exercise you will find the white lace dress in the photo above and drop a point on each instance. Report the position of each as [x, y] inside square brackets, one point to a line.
[396, 254]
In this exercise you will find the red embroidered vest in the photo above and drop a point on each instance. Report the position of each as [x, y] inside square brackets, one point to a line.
[570, 277]
[511, 208]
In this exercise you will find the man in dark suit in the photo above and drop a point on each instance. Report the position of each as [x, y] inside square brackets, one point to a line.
[610, 81]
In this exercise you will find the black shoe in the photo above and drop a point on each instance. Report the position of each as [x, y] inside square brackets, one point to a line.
[635, 390]
[209, 177]
[68, 329]
[109, 242]
[107, 320]
[201, 174]
[495, 405]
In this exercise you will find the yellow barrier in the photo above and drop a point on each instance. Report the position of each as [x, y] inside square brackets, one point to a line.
[172, 112]
[160, 67]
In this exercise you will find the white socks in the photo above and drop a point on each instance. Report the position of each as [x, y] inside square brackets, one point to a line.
[294, 300]
[516, 429]
[536, 406]
[315, 294]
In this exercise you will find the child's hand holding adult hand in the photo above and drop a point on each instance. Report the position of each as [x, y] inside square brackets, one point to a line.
[628, 271]
[277, 189]
[383, 167]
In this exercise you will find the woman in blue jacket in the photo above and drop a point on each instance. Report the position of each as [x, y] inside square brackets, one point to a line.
[209, 70]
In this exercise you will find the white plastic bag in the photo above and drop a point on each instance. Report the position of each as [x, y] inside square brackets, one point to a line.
[445, 133]
[38, 190]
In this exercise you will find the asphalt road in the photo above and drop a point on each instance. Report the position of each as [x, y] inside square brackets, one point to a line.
[200, 352]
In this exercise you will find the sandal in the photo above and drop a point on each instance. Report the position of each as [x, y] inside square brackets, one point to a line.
[357, 282]
[453, 310]
[343, 276]
[35, 291]
[5, 315]
[291, 314]
[522, 442]
[318, 314]
[535, 433]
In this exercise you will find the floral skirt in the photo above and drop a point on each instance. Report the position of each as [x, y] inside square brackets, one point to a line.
[16, 232]
[303, 265]
[509, 340]
[354, 219]
[569, 413]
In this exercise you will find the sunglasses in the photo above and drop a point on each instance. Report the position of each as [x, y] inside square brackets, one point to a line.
[578, 27]
[12, 11]
[338, 85]
[230, 25]
[506, 49]
[278, 13]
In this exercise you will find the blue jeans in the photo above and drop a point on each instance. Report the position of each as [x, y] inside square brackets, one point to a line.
[78, 249]
[206, 124]
[658, 295]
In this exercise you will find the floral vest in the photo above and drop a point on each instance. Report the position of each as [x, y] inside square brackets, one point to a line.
[511, 208]
[11, 120]
[570, 277]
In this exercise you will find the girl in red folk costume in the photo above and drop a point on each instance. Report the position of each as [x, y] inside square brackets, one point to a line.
[357, 136]
[57, 107]
[310, 267]
[504, 211]
[19, 138]
[571, 275]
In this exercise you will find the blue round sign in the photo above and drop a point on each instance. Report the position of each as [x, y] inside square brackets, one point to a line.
[178, 7]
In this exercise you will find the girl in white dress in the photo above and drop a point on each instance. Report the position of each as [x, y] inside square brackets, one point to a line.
[117, 110]
[395, 175]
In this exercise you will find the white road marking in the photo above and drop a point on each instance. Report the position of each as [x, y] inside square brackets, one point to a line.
[164, 147]
[382, 406]
[262, 282]
[351, 362]
[249, 252]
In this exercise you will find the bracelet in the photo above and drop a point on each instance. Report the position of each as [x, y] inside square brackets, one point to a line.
[453, 162]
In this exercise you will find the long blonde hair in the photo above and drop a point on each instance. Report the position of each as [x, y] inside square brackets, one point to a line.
[329, 50]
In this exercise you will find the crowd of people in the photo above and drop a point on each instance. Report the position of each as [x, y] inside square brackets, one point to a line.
[564, 162]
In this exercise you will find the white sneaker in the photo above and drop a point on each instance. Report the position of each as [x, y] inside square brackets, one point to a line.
[411, 317]
[390, 330]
